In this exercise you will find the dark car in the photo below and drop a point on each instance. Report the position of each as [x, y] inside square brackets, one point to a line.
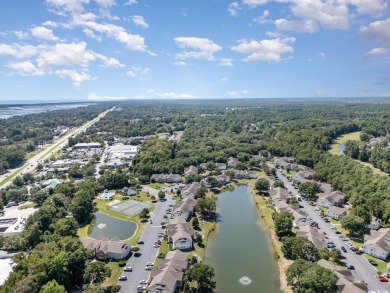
[140, 242]
[343, 249]
[350, 267]
[122, 278]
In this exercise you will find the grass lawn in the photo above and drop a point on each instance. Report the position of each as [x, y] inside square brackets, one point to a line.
[157, 185]
[26, 206]
[33, 153]
[382, 265]
[141, 196]
[206, 229]
[334, 148]
[116, 271]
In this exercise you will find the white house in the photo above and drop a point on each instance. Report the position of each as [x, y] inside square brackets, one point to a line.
[337, 213]
[129, 191]
[232, 162]
[184, 208]
[220, 166]
[180, 234]
[377, 244]
[106, 249]
[191, 170]
[336, 198]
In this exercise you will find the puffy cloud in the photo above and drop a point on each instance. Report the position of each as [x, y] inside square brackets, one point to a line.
[226, 62]
[140, 21]
[76, 77]
[21, 34]
[173, 95]
[25, 68]
[254, 3]
[50, 23]
[237, 93]
[43, 33]
[131, 2]
[91, 34]
[68, 5]
[105, 3]
[200, 48]
[300, 26]
[19, 51]
[378, 30]
[367, 6]
[94, 97]
[263, 17]
[135, 71]
[113, 63]
[264, 50]
[233, 8]
[68, 54]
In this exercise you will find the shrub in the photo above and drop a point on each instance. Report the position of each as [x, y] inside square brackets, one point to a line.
[135, 248]
[125, 197]
[122, 263]
[162, 255]
[373, 262]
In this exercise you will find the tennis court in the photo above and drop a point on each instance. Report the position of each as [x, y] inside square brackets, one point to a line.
[129, 207]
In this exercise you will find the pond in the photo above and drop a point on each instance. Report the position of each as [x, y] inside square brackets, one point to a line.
[109, 227]
[341, 149]
[240, 250]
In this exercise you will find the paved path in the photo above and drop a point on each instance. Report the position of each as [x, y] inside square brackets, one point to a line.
[148, 252]
[364, 271]
[32, 163]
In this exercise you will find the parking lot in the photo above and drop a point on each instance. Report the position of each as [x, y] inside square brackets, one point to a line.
[14, 212]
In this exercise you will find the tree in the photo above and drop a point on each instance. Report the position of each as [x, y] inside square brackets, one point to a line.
[308, 277]
[279, 183]
[52, 287]
[18, 181]
[96, 272]
[283, 223]
[200, 192]
[354, 224]
[200, 278]
[144, 214]
[309, 189]
[40, 196]
[195, 223]
[363, 212]
[299, 247]
[212, 181]
[206, 206]
[161, 195]
[82, 206]
[262, 185]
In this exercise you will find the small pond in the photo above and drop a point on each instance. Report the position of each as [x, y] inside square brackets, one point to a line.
[341, 149]
[109, 227]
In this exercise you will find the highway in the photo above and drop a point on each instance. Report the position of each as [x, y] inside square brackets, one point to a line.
[33, 162]
[148, 252]
[363, 271]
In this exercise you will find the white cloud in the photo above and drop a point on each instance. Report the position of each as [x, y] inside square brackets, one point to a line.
[224, 79]
[21, 34]
[264, 50]
[226, 62]
[113, 63]
[43, 33]
[19, 51]
[180, 63]
[76, 77]
[254, 3]
[378, 30]
[50, 23]
[367, 6]
[300, 26]
[320, 93]
[200, 48]
[135, 71]
[237, 93]
[233, 8]
[105, 3]
[68, 54]
[173, 95]
[377, 51]
[91, 34]
[131, 2]
[94, 97]
[263, 17]
[322, 55]
[68, 5]
[140, 21]
[25, 68]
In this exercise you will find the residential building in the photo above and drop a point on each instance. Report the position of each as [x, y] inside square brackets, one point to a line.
[184, 208]
[247, 174]
[129, 191]
[189, 190]
[166, 178]
[180, 234]
[336, 198]
[168, 277]
[232, 162]
[375, 223]
[299, 219]
[103, 249]
[51, 183]
[378, 243]
[221, 166]
[191, 170]
[314, 235]
[337, 213]
[221, 180]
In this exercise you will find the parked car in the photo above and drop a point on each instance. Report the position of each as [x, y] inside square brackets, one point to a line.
[122, 278]
[350, 267]
[140, 242]
[343, 249]
[143, 282]
[141, 288]
[342, 256]
[383, 279]
[128, 269]
[156, 245]
[148, 268]
[149, 263]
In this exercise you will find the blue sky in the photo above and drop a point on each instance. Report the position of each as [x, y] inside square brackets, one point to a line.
[205, 49]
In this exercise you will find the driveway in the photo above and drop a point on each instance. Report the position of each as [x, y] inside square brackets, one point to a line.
[363, 269]
[148, 252]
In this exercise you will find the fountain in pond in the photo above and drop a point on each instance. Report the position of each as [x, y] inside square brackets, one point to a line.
[245, 281]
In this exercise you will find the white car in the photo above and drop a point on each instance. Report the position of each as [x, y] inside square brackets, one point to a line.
[148, 268]
[143, 282]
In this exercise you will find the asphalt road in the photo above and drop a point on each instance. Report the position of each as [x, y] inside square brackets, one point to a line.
[32, 163]
[363, 271]
[148, 252]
